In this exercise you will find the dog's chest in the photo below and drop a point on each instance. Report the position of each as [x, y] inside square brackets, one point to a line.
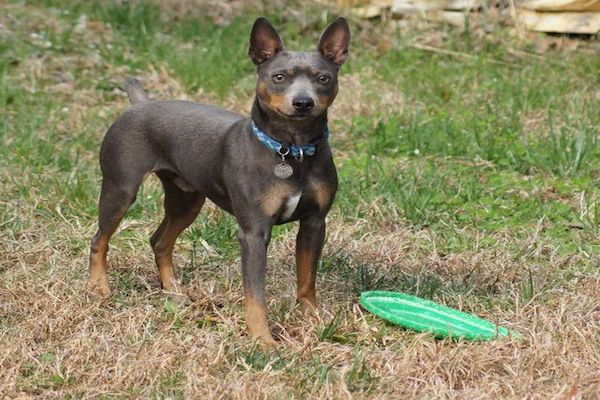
[290, 205]
[289, 201]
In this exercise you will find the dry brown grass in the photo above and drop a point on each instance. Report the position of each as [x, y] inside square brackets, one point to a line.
[57, 341]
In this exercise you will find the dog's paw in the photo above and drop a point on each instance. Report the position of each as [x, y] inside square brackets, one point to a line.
[175, 290]
[262, 335]
[99, 289]
[267, 343]
[181, 298]
[308, 308]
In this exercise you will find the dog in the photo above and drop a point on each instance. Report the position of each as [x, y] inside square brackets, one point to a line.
[272, 168]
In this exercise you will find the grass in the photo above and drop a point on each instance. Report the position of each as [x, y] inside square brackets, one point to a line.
[468, 180]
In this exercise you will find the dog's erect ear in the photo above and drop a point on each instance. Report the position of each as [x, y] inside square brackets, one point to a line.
[333, 44]
[264, 41]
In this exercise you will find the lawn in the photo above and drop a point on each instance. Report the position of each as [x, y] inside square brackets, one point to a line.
[469, 163]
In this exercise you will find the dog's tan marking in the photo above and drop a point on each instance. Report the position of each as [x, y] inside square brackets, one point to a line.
[274, 198]
[275, 101]
[98, 280]
[325, 101]
[322, 193]
[163, 248]
[256, 320]
[163, 255]
[305, 272]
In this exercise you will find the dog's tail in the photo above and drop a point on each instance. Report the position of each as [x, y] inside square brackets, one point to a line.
[135, 91]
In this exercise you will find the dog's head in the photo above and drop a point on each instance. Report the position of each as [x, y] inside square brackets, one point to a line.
[297, 85]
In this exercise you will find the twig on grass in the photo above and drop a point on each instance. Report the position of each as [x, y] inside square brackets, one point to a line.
[460, 54]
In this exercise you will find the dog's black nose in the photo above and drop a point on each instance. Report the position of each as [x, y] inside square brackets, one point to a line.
[303, 103]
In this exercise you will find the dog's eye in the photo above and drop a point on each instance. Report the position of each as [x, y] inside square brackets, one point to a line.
[278, 78]
[324, 79]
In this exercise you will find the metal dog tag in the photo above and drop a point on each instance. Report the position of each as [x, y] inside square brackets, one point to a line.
[283, 170]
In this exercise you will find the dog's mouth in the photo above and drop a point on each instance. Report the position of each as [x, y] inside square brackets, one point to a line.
[295, 116]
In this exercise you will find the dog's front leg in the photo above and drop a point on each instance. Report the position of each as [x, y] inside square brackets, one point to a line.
[254, 243]
[309, 244]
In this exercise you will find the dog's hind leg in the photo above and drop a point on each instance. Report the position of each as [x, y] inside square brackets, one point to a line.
[124, 167]
[181, 209]
[115, 199]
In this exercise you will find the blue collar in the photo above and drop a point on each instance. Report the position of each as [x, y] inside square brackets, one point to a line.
[294, 150]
